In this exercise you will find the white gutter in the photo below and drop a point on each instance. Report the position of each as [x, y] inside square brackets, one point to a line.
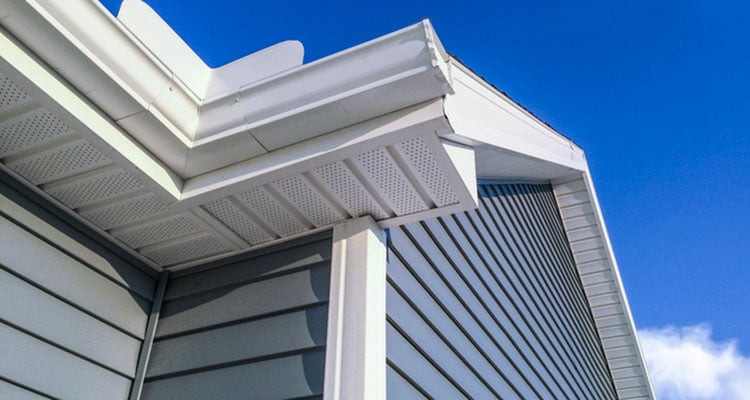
[158, 100]
[384, 75]
[102, 59]
[354, 79]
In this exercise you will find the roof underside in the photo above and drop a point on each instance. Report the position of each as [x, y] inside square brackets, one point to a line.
[123, 127]
[399, 176]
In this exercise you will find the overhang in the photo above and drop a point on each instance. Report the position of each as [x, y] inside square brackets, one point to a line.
[121, 125]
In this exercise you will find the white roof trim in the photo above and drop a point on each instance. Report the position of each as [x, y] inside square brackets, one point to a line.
[144, 90]
[345, 142]
[153, 129]
[595, 260]
[66, 102]
[510, 143]
[97, 171]
[486, 118]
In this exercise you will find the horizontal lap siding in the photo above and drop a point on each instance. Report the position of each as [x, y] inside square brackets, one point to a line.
[487, 304]
[250, 327]
[73, 311]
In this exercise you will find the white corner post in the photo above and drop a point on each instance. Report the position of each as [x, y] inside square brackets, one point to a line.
[355, 347]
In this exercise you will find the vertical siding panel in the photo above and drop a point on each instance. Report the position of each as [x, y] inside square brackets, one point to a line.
[447, 315]
[545, 320]
[499, 280]
[512, 221]
[537, 330]
[401, 388]
[35, 311]
[507, 200]
[285, 377]
[547, 256]
[503, 206]
[504, 238]
[506, 295]
[475, 305]
[465, 365]
[545, 210]
[530, 371]
[420, 369]
[26, 255]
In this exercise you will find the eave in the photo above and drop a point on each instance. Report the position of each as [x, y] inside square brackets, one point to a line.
[388, 161]
[179, 169]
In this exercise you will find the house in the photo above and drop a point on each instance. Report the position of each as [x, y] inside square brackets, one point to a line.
[378, 223]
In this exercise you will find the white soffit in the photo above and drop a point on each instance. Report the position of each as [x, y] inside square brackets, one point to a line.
[394, 168]
[84, 106]
[597, 267]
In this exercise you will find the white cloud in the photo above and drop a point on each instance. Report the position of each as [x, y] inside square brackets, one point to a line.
[686, 364]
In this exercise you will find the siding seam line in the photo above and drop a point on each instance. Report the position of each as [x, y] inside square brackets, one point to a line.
[407, 378]
[79, 260]
[235, 363]
[251, 318]
[27, 388]
[69, 302]
[63, 348]
[256, 279]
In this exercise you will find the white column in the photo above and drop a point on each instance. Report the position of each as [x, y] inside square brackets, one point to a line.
[355, 348]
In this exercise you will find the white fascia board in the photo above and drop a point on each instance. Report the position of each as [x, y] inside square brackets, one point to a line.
[56, 95]
[497, 163]
[463, 159]
[355, 346]
[347, 142]
[482, 116]
[600, 275]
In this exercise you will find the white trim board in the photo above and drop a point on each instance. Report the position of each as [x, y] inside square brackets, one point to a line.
[602, 284]
[356, 353]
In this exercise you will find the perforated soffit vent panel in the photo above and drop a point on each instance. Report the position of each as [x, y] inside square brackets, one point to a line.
[393, 182]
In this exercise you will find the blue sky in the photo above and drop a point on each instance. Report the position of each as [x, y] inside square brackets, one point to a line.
[655, 92]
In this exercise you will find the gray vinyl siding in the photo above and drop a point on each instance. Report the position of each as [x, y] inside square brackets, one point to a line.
[73, 311]
[250, 327]
[488, 304]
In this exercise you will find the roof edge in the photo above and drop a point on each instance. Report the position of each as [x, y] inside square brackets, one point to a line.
[577, 200]
[116, 66]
